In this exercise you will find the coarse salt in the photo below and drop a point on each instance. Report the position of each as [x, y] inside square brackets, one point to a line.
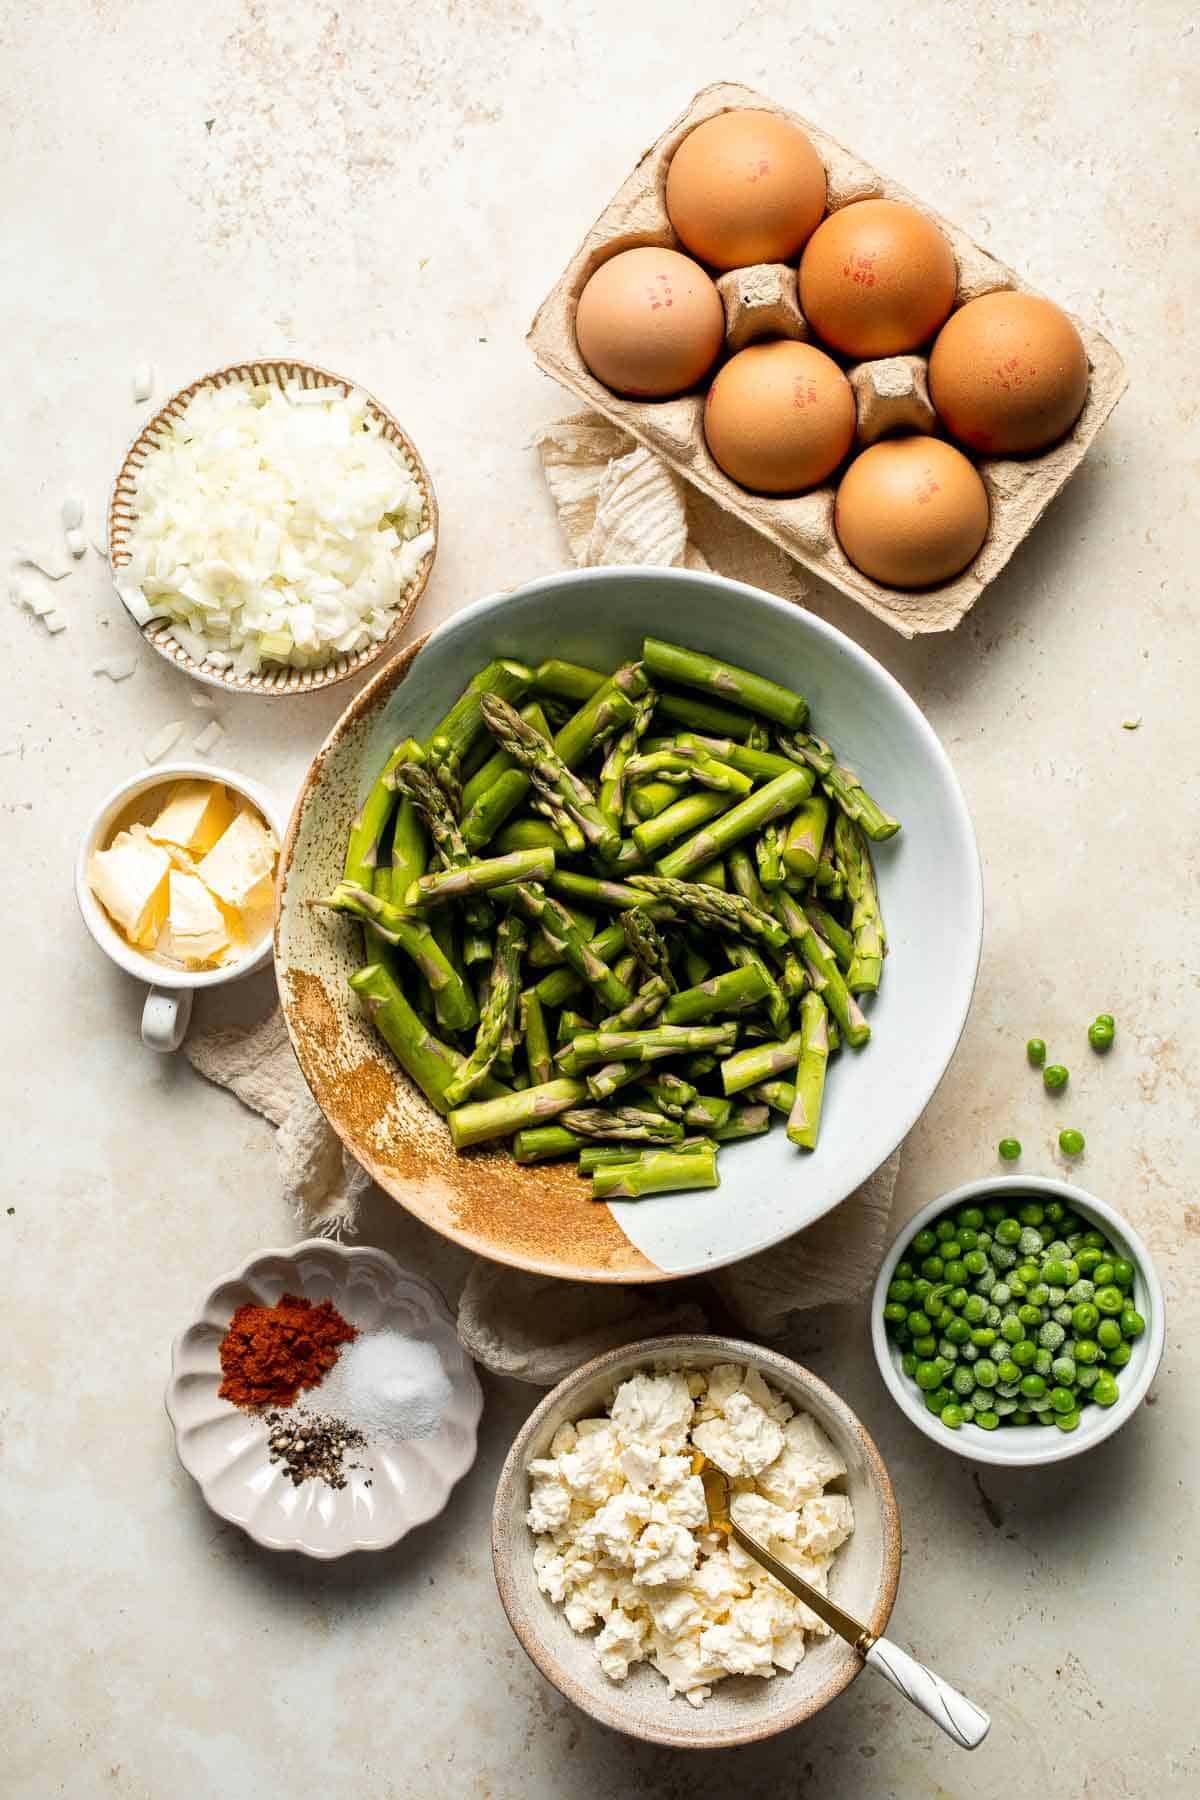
[390, 1387]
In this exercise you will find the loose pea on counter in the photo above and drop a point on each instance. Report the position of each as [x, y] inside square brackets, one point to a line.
[1013, 1319]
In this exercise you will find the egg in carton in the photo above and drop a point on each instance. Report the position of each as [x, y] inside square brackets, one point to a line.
[891, 393]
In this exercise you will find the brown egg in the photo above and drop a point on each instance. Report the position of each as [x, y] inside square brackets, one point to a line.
[649, 323]
[911, 512]
[1008, 373]
[877, 278]
[745, 187]
[780, 417]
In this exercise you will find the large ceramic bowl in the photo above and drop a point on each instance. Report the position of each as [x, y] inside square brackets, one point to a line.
[541, 1218]
[390, 1488]
[741, 1709]
[1029, 1447]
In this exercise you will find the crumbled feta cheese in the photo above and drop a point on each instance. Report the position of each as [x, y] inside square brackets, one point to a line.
[744, 1440]
[653, 1410]
[623, 1542]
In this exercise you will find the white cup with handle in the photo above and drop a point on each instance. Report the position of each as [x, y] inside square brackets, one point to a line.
[168, 1007]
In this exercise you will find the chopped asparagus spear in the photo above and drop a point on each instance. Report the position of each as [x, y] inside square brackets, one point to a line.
[714, 909]
[544, 1143]
[412, 935]
[806, 836]
[691, 668]
[840, 941]
[496, 1017]
[551, 777]
[730, 992]
[568, 680]
[768, 855]
[543, 910]
[693, 811]
[477, 877]
[463, 724]
[650, 1045]
[423, 1057]
[804, 1120]
[744, 1122]
[740, 821]
[480, 1120]
[632, 1124]
[538, 1053]
[823, 971]
[369, 829]
[866, 920]
[839, 783]
[663, 1172]
[759, 1062]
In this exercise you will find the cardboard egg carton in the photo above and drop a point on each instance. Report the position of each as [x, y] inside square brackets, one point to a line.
[891, 394]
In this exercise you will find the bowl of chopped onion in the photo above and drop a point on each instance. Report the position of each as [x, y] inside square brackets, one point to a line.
[272, 528]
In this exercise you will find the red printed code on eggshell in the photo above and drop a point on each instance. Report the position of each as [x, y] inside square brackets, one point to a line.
[803, 392]
[860, 269]
[757, 169]
[927, 490]
[1011, 375]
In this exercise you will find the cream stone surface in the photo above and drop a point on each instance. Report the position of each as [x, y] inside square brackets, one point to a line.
[390, 191]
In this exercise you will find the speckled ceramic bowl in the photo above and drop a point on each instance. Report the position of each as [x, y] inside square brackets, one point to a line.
[394, 1487]
[274, 680]
[541, 1218]
[741, 1709]
[1030, 1447]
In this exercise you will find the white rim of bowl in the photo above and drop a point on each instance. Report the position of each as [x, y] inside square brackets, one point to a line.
[685, 578]
[1044, 1446]
[105, 934]
[285, 683]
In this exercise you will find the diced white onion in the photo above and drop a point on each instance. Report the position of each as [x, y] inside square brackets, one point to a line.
[274, 525]
[143, 381]
[72, 512]
[54, 622]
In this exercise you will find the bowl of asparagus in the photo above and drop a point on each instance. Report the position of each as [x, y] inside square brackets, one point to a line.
[627, 923]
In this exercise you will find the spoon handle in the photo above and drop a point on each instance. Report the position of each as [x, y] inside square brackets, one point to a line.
[957, 1716]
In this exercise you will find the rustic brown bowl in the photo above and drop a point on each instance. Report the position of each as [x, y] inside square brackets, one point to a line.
[272, 681]
[741, 1709]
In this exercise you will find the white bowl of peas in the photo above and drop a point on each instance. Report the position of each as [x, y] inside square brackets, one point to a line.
[1018, 1320]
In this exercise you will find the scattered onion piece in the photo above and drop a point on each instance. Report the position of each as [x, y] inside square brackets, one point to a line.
[163, 740]
[205, 740]
[143, 381]
[117, 668]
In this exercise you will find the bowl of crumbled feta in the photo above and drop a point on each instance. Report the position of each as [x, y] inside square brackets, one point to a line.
[619, 1590]
[272, 528]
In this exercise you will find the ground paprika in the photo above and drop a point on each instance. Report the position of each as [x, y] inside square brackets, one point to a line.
[270, 1352]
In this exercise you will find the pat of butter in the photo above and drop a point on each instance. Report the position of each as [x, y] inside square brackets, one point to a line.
[195, 931]
[195, 816]
[130, 880]
[242, 857]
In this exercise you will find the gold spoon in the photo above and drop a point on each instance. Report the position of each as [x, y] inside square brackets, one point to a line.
[957, 1716]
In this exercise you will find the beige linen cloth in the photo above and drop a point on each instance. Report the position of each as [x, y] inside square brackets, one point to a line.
[617, 503]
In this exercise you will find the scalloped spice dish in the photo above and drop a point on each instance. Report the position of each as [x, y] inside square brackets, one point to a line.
[349, 1466]
[761, 301]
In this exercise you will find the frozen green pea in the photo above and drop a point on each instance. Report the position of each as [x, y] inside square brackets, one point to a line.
[963, 1382]
[1087, 1376]
[1062, 1400]
[1035, 1050]
[985, 1372]
[1116, 1359]
[1007, 1371]
[1070, 1141]
[1123, 1272]
[988, 1419]
[1066, 1421]
[951, 1415]
[1030, 1240]
[1063, 1370]
[1051, 1336]
[1009, 1149]
[1003, 1405]
[1132, 1323]
[1105, 1390]
[1024, 1352]
[1081, 1290]
[1055, 1076]
[1043, 1362]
